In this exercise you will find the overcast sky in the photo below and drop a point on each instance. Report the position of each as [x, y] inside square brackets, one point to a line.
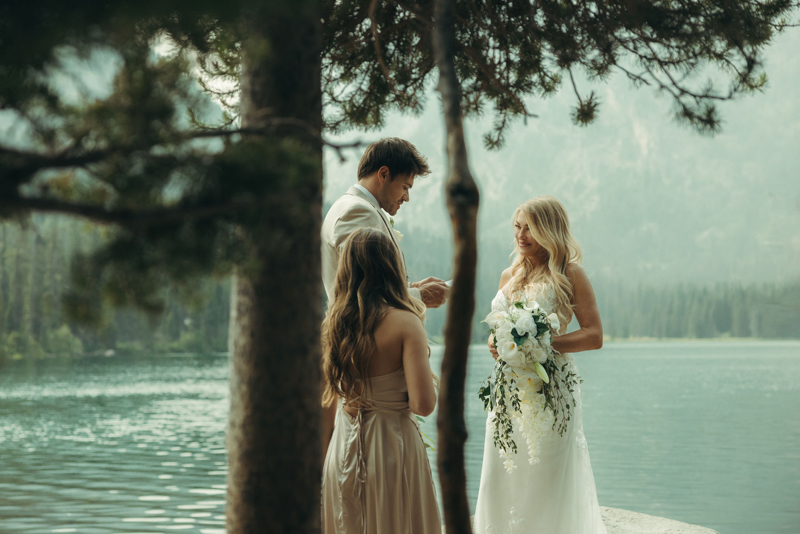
[650, 200]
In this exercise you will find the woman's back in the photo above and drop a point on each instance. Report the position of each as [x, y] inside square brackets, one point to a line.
[389, 336]
[376, 476]
[401, 343]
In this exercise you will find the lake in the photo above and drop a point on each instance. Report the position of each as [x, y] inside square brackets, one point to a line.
[702, 432]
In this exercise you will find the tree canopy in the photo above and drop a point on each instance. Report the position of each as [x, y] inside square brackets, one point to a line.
[204, 155]
[378, 55]
[162, 157]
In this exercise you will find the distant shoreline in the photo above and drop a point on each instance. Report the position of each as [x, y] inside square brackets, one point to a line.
[438, 340]
[696, 340]
[435, 341]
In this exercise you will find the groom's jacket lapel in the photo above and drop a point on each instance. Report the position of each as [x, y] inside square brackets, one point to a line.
[355, 191]
[371, 201]
[351, 211]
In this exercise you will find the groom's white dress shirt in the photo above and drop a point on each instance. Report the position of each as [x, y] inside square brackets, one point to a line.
[357, 208]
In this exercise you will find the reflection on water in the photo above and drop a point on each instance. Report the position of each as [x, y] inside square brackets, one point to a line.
[707, 433]
[113, 445]
[702, 432]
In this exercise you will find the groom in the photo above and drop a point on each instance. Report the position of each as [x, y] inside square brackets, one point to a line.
[386, 174]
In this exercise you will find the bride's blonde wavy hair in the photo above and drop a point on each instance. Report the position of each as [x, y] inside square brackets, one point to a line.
[369, 277]
[549, 226]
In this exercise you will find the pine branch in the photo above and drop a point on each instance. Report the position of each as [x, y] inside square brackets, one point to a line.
[377, 41]
[20, 165]
[137, 219]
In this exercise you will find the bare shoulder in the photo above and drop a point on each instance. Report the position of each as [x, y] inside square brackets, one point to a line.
[504, 278]
[403, 321]
[579, 279]
[576, 273]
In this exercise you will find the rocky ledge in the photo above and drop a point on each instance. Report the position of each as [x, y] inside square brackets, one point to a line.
[624, 522]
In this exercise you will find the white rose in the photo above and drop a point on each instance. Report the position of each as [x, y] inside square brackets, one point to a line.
[525, 324]
[555, 324]
[398, 235]
[547, 339]
[539, 354]
[510, 353]
[528, 347]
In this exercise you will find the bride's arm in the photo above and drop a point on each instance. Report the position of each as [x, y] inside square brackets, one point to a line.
[590, 334]
[504, 278]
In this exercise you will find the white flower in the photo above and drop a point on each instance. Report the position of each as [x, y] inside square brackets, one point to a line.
[539, 354]
[510, 353]
[525, 324]
[555, 324]
[495, 318]
[398, 235]
[528, 347]
[531, 306]
[547, 339]
[503, 332]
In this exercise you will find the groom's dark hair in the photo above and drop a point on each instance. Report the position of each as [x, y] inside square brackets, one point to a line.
[399, 155]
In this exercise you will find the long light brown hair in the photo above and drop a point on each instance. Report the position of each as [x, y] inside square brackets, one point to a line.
[549, 226]
[370, 277]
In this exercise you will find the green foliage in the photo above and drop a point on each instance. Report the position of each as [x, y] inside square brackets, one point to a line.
[63, 342]
[509, 51]
[768, 311]
[188, 342]
[156, 154]
[18, 346]
[199, 324]
[496, 391]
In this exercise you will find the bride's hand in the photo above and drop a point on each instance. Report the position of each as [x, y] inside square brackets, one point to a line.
[491, 347]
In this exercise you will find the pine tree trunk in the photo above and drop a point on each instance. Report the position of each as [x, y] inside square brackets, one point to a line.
[462, 203]
[276, 308]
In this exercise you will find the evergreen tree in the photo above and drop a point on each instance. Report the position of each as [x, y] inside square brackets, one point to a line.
[243, 194]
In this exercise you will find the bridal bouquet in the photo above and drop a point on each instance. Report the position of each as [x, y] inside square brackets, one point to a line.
[527, 387]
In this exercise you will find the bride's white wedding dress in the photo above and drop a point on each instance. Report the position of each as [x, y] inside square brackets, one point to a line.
[556, 495]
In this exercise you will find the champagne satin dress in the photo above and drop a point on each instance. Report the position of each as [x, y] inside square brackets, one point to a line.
[376, 476]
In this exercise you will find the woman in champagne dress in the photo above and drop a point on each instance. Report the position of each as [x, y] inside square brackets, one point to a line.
[377, 375]
[557, 495]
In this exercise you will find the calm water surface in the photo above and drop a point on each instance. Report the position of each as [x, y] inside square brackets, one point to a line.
[707, 433]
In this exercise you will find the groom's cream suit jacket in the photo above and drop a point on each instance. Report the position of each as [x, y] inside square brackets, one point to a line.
[355, 209]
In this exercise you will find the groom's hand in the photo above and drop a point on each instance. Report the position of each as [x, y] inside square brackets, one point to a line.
[433, 291]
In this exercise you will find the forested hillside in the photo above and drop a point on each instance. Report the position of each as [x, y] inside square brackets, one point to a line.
[35, 265]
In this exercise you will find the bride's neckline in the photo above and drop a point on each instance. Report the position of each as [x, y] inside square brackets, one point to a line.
[534, 287]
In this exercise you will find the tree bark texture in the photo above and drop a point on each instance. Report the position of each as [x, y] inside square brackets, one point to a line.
[276, 309]
[462, 203]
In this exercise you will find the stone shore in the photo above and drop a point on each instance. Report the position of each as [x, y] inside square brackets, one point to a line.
[624, 522]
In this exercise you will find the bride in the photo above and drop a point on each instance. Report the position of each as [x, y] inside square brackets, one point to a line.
[557, 495]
